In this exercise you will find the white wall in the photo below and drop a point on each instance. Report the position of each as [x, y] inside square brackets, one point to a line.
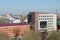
[51, 21]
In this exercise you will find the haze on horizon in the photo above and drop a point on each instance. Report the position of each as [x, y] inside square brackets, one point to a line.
[25, 6]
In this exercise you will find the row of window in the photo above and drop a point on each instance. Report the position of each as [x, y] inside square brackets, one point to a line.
[45, 16]
[50, 23]
[50, 29]
[46, 19]
[43, 26]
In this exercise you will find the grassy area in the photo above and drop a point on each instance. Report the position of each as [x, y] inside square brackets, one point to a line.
[54, 35]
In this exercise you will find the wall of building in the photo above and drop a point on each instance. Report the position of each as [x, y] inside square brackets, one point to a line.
[50, 19]
[36, 17]
[31, 19]
[58, 24]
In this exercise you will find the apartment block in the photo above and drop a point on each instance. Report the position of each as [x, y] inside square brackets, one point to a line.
[40, 21]
[47, 21]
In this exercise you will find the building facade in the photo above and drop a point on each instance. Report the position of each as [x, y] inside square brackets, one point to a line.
[40, 21]
[58, 22]
[58, 25]
[47, 21]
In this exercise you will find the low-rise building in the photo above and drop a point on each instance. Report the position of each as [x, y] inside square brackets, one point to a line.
[12, 28]
[12, 19]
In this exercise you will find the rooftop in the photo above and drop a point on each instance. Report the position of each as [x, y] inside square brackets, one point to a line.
[13, 24]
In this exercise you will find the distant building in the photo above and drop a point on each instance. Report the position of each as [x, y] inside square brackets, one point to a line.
[58, 21]
[26, 21]
[10, 29]
[11, 19]
[58, 25]
[40, 21]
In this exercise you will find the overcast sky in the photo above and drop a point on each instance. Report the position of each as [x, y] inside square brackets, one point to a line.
[25, 6]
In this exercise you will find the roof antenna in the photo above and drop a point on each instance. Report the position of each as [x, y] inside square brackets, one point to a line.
[56, 11]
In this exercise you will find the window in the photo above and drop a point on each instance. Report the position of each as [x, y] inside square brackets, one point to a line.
[39, 19]
[49, 18]
[30, 15]
[43, 24]
[39, 16]
[50, 21]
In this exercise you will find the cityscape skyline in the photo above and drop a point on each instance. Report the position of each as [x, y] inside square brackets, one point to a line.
[25, 6]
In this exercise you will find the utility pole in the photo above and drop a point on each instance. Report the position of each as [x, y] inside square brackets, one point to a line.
[56, 11]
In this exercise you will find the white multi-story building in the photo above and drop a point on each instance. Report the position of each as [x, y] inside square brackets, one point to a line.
[47, 21]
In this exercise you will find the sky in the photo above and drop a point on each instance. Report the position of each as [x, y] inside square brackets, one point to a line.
[25, 6]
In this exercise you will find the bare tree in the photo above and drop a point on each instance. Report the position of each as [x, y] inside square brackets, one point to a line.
[2, 20]
[23, 17]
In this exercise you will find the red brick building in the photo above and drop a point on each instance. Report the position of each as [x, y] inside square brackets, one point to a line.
[11, 28]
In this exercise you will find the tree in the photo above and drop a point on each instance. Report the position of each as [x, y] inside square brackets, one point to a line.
[2, 20]
[23, 17]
